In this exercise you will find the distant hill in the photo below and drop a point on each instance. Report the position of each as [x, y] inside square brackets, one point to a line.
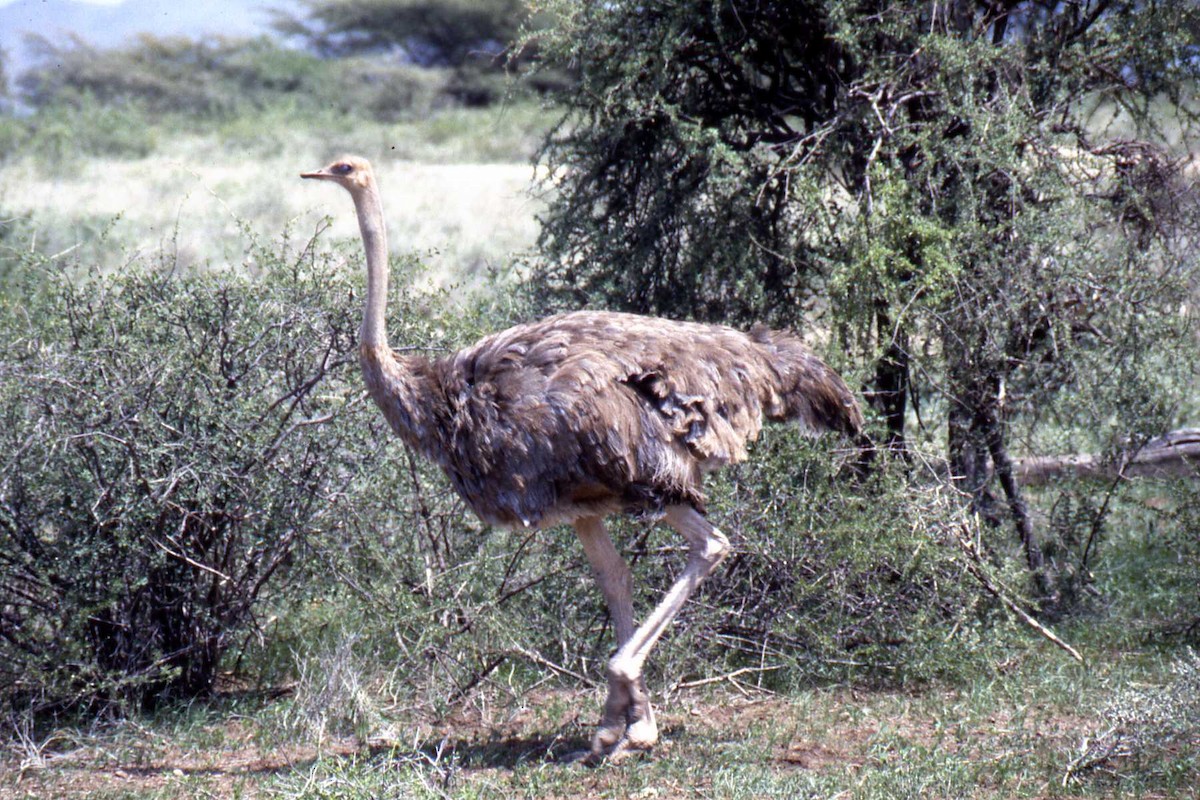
[110, 25]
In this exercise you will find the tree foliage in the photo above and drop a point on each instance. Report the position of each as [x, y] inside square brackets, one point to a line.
[218, 77]
[471, 38]
[987, 201]
[3, 75]
[427, 32]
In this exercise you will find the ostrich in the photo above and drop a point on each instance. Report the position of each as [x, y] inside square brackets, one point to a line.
[586, 414]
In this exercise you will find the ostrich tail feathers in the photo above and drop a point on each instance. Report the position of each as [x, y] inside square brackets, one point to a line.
[807, 391]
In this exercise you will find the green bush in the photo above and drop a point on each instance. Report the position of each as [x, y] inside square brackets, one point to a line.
[61, 137]
[836, 579]
[189, 459]
[169, 440]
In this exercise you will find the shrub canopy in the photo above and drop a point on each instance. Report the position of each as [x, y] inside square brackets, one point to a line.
[443, 33]
[169, 441]
[985, 204]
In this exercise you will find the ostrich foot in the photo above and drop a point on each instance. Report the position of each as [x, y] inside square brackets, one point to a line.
[617, 709]
[639, 739]
[628, 727]
[642, 733]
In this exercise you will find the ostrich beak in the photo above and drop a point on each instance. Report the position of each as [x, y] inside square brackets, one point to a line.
[321, 173]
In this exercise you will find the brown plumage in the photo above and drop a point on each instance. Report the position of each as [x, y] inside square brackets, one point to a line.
[585, 414]
[590, 413]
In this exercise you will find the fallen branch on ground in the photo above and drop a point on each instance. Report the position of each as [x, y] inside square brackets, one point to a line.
[1172, 455]
[541, 660]
[729, 676]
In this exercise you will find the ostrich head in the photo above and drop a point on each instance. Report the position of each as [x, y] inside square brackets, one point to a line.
[351, 172]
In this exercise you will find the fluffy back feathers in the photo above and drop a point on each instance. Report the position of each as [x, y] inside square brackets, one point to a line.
[594, 412]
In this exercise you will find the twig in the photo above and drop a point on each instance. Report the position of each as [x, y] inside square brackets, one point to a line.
[729, 676]
[478, 678]
[182, 557]
[545, 662]
[974, 566]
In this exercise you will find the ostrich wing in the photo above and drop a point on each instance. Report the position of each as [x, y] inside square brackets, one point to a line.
[593, 412]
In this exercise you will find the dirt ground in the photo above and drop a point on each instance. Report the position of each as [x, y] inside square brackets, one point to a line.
[232, 758]
[231, 769]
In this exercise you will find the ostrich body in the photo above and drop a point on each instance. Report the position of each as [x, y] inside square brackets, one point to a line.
[582, 415]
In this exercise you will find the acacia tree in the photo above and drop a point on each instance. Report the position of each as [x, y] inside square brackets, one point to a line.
[986, 198]
[469, 38]
[428, 32]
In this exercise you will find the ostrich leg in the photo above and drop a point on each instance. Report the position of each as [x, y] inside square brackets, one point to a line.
[628, 703]
[613, 576]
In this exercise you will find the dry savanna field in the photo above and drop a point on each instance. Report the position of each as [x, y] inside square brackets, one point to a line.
[201, 200]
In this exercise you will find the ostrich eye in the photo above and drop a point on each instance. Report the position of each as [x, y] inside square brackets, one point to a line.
[341, 169]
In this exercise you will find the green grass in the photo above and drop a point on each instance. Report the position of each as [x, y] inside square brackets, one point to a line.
[1008, 734]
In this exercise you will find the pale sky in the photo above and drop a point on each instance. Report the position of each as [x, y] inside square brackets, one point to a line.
[89, 2]
[109, 23]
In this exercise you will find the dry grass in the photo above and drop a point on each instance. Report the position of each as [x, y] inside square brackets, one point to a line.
[202, 196]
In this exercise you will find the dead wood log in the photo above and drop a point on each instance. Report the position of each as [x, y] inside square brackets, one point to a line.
[1172, 455]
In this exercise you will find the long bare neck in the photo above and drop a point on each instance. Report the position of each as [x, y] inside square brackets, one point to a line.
[373, 333]
[401, 387]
